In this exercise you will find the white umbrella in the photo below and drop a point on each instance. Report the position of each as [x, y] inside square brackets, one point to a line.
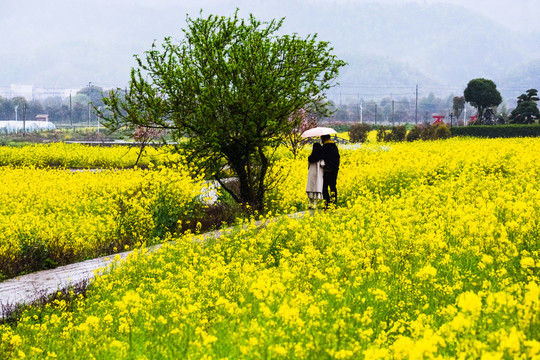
[318, 131]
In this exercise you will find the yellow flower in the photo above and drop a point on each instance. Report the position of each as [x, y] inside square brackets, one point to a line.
[492, 355]
[343, 354]
[427, 272]
[511, 342]
[527, 262]
[533, 348]
[208, 339]
[278, 350]
[402, 347]
[380, 295]
[16, 340]
[376, 354]
[469, 302]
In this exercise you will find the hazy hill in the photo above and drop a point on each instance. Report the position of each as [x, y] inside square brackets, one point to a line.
[523, 77]
[436, 45]
[439, 47]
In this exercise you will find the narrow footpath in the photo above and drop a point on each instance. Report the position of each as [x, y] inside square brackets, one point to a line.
[26, 289]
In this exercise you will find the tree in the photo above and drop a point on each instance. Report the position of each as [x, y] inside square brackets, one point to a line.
[34, 107]
[402, 113]
[527, 109]
[19, 105]
[93, 93]
[305, 120]
[6, 109]
[144, 136]
[458, 105]
[429, 106]
[482, 94]
[230, 86]
[386, 108]
[370, 110]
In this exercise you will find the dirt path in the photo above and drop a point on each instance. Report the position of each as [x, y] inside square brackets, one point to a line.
[27, 288]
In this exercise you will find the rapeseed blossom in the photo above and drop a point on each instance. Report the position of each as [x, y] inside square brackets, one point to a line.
[432, 253]
[56, 216]
[84, 157]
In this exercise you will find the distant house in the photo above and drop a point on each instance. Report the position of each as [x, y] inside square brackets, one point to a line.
[42, 117]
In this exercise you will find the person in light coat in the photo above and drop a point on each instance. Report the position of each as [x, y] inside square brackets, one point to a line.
[314, 188]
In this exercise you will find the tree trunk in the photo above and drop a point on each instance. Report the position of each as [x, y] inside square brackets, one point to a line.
[480, 119]
[251, 170]
[251, 166]
[261, 177]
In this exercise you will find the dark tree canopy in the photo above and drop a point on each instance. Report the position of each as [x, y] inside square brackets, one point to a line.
[482, 94]
[527, 109]
[230, 86]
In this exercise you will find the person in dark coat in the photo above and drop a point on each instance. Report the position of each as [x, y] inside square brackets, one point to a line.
[330, 155]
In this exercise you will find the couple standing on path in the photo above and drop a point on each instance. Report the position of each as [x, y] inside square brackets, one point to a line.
[322, 172]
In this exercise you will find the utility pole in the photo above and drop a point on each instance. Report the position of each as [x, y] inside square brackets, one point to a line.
[24, 119]
[416, 107]
[360, 109]
[70, 112]
[89, 84]
[375, 114]
[358, 102]
[393, 123]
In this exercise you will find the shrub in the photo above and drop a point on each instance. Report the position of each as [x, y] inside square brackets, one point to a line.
[358, 133]
[497, 131]
[381, 133]
[440, 131]
[429, 132]
[416, 133]
[397, 133]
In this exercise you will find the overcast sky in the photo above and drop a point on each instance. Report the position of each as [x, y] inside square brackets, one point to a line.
[519, 15]
[25, 23]
[29, 27]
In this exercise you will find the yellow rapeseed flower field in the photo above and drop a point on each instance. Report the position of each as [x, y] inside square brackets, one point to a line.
[82, 156]
[432, 253]
[55, 216]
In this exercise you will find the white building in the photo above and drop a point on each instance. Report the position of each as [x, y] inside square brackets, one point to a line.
[8, 127]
